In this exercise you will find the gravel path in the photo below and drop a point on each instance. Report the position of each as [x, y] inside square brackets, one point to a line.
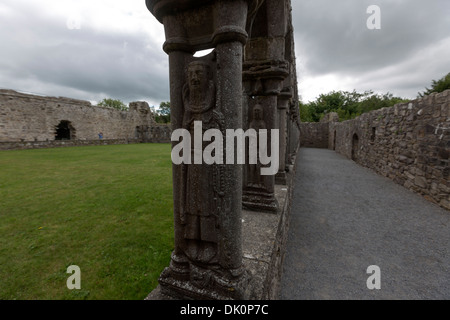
[346, 218]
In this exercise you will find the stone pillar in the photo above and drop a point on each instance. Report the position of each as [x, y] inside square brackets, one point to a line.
[259, 190]
[293, 121]
[283, 104]
[294, 132]
[265, 70]
[207, 260]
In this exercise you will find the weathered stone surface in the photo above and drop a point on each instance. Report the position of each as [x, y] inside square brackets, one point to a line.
[269, 80]
[420, 182]
[209, 261]
[264, 242]
[314, 135]
[59, 144]
[330, 117]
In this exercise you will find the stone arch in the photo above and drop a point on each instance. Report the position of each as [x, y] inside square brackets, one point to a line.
[355, 147]
[64, 131]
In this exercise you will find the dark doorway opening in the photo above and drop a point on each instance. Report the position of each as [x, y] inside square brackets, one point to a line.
[355, 147]
[374, 134]
[65, 131]
[334, 141]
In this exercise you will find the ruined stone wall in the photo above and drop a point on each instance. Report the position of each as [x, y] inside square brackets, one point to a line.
[157, 133]
[408, 143]
[31, 118]
[314, 135]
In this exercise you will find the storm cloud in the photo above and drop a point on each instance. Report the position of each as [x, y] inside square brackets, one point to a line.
[86, 55]
[113, 49]
[337, 51]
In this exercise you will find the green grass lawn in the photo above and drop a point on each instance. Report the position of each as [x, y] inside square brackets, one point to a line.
[106, 209]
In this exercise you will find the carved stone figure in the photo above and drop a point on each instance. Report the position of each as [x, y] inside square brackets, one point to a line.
[207, 261]
[258, 190]
[254, 170]
[199, 218]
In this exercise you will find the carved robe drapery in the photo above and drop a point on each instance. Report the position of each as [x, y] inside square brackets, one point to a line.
[199, 181]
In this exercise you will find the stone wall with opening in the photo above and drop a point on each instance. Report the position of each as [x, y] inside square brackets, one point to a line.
[408, 143]
[34, 119]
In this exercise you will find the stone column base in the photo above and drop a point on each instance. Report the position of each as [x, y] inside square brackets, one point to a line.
[199, 283]
[259, 201]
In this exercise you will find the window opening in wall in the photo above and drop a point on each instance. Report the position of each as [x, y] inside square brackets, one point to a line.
[334, 141]
[64, 131]
[373, 134]
[355, 147]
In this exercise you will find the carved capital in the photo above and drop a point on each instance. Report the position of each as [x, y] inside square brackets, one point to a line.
[161, 8]
[284, 98]
[193, 25]
[265, 78]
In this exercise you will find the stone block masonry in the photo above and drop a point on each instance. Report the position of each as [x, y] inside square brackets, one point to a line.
[35, 119]
[314, 135]
[408, 143]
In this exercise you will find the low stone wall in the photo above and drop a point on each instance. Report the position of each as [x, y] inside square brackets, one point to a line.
[158, 133]
[59, 144]
[72, 143]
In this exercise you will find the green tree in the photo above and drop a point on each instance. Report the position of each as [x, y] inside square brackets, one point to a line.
[343, 102]
[163, 113]
[437, 86]
[378, 101]
[113, 104]
[306, 112]
[347, 105]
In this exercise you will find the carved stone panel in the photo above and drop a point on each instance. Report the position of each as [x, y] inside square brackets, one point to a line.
[206, 93]
[258, 189]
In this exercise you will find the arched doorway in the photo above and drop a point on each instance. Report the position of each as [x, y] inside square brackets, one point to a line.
[64, 131]
[355, 147]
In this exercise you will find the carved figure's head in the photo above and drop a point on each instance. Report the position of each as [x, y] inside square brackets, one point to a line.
[198, 75]
[258, 112]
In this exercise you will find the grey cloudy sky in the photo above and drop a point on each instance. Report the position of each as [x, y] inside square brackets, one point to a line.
[93, 49]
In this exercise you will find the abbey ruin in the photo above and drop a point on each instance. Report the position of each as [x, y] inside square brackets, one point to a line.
[31, 121]
[231, 221]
